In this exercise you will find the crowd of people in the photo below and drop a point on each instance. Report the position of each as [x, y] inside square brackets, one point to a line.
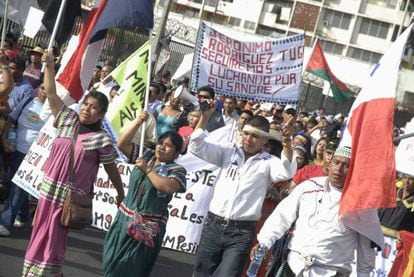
[282, 172]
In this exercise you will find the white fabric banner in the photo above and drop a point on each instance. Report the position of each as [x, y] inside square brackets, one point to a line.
[188, 210]
[266, 70]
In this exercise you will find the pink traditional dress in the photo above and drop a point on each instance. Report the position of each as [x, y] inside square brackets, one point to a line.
[46, 250]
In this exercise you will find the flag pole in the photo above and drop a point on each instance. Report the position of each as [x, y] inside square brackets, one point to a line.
[55, 28]
[3, 34]
[141, 143]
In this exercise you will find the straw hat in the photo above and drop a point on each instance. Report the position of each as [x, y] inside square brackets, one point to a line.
[37, 50]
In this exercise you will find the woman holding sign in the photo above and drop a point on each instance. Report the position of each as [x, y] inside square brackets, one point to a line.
[46, 250]
[134, 239]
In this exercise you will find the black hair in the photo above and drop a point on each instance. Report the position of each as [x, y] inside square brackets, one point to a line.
[332, 144]
[175, 138]
[166, 74]
[101, 98]
[300, 123]
[249, 112]
[162, 87]
[316, 144]
[312, 121]
[304, 113]
[291, 111]
[156, 86]
[210, 90]
[98, 67]
[259, 122]
[276, 147]
[20, 64]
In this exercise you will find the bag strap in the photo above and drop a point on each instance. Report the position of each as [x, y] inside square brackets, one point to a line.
[28, 100]
[72, 154]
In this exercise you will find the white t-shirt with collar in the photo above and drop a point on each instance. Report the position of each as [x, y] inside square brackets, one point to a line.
[242, 185]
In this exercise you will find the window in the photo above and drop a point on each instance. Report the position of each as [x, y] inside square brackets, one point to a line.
[234, 21]
[332, 47]
[384, 3]
[363, 55]
[249, 25]
[336, 19]
[374, 28]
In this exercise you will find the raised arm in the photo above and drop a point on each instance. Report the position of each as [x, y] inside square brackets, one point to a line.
[287, 133]
[209, 152]
[49, 82]
[125, 139]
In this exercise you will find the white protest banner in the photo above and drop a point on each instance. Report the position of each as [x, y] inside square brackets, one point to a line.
[267, 70]
[383, 259]
[104, 206]
[30, 173]
[187, 210]
[33, 22]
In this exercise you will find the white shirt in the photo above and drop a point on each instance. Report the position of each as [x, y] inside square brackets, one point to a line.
[106, 88]
[150, 131]
[319, 234]
[241, 186]
[230, 119]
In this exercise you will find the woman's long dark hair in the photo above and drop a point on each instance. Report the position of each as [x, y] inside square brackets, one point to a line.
[175, 138]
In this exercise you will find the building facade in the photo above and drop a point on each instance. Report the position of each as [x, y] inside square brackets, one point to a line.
[353, 33]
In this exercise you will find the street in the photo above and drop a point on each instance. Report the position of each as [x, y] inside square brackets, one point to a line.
[84, 255]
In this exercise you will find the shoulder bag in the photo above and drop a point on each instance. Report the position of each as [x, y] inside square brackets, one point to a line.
[77, 208]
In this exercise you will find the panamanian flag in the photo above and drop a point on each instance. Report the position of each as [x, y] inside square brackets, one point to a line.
[370, 183]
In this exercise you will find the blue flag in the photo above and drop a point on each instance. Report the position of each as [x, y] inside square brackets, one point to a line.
[125, 13]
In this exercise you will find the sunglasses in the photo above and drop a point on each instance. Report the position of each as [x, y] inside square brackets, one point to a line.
[204, 96]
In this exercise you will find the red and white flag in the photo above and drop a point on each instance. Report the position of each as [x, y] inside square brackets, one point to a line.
[370, 183]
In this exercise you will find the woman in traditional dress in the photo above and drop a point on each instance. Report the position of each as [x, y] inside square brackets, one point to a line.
[46, 250]
[149, 192]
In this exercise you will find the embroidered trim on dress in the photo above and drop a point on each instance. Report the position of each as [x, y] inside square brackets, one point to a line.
[130, 213]
[38, 269]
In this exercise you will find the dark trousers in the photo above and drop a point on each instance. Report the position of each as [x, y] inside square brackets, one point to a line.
[223, 249]
[18, 199]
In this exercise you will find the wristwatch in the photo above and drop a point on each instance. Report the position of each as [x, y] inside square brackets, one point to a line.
[4, 66]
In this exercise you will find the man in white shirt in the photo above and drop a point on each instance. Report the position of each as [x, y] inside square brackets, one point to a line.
[321, 245]
[230, 116]
[105, 85]
[247, 172]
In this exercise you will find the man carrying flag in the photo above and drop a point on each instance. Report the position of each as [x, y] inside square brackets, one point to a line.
[369, 131]
[321, 245]
[318, 66]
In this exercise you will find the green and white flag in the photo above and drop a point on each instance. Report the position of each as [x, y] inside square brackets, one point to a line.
[131, 76]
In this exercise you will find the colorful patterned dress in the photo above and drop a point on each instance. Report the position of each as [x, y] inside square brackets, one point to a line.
[46, 250]
[123, 255]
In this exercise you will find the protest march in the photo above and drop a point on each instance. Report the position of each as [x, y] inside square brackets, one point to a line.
[223, 160]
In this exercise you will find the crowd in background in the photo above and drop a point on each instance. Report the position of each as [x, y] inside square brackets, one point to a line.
[314, 138]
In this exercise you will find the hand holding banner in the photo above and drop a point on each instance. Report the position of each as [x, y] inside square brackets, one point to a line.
[267, 70]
